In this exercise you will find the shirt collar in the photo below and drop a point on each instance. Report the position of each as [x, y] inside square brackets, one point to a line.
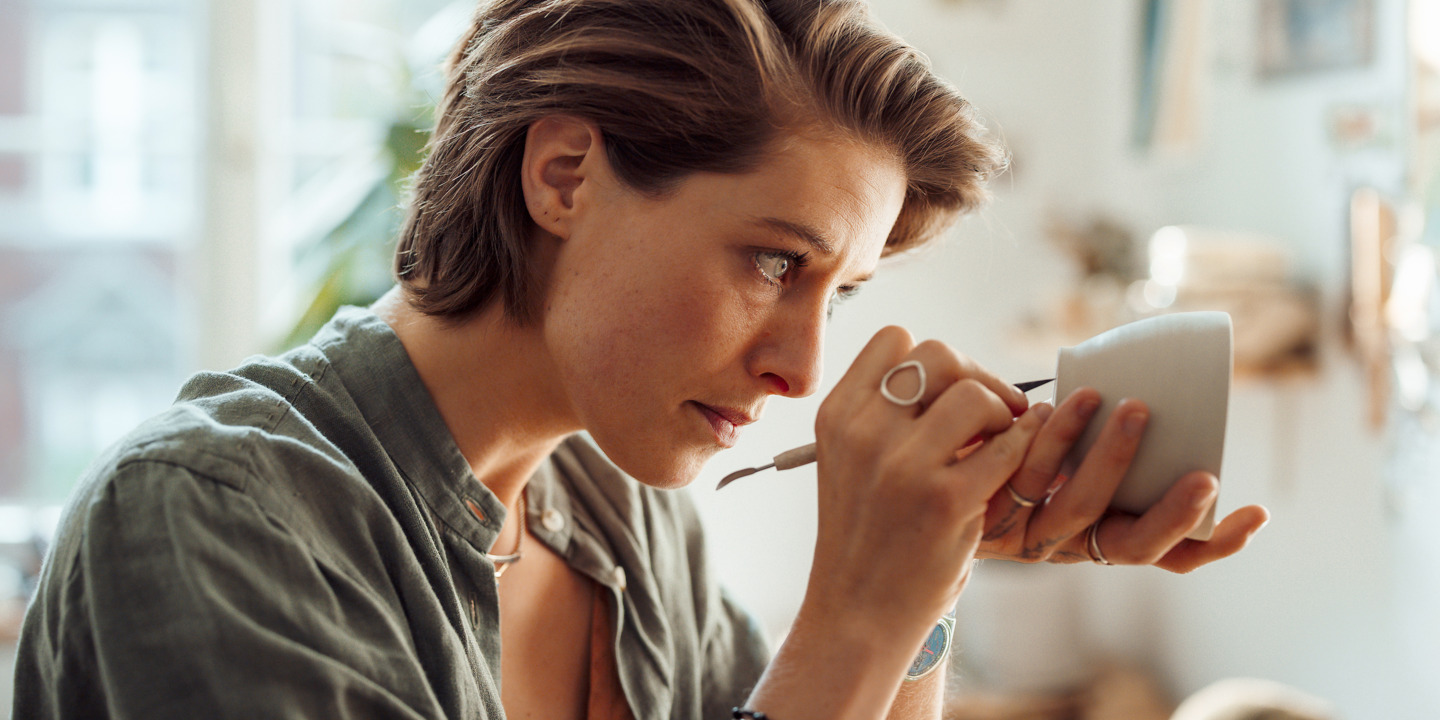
[384, 384]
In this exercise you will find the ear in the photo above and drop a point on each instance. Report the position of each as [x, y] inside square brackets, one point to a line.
[562, 153]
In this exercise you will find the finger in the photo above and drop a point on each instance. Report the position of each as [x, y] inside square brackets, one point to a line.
[1143, 540]
[1084, 497]
[966, 409]
[886, 349]
[982, 473]
[1007, 510]
[952, 367]
[1036, 476]
[1231, 536]
[943, 368]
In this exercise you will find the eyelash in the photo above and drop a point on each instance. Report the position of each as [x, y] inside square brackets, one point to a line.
[797, 261]
[842, 294]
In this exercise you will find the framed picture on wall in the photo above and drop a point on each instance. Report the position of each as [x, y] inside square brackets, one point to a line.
[1304, 36]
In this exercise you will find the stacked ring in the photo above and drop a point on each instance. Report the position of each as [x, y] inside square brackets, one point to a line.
[1019, 499]
[1092, 544]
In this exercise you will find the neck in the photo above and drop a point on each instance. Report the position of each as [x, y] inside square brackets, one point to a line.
[492, 382]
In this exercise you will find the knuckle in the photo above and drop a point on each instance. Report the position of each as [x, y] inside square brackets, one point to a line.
[828, 415]
[1127, 556]
[1070, 428]
[894, 336]
[1119, 453]
[970, 390]
[1091, 506]
[1008, 450]
[934, 348]
[942, 360]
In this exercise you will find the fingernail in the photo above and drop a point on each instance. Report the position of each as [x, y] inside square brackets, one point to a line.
[1087, 408]
[1134, 423]
[1043, 411]
[1202, 496]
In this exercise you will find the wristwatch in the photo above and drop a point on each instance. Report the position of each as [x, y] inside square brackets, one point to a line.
[935, 650]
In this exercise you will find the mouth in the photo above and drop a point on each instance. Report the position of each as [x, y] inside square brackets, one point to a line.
[724, 421]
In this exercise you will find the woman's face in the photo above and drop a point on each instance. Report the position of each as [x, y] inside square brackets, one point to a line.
[670, 321]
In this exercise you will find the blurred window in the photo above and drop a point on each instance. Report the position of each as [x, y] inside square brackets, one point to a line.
[102, 188]
[98, 176]
[362, 78]
[102, 135]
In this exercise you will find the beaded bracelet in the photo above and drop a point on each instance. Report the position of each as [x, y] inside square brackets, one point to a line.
[743, 714]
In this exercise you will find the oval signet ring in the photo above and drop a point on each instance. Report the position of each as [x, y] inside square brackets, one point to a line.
[919, 392]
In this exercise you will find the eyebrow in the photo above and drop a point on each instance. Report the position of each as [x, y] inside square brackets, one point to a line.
[810, 235]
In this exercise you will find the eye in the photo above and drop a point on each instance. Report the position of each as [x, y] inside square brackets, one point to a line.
[776, 265]
[841, 295]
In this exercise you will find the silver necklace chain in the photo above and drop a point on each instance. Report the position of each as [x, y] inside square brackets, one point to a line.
[503, 562]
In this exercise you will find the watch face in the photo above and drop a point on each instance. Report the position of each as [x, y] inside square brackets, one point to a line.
[933, 652]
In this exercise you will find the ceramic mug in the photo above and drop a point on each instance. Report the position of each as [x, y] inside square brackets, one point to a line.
[1181, 365]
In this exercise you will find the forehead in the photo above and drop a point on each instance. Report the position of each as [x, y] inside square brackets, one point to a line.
[832, 192]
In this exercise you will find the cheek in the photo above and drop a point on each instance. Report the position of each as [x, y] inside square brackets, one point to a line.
[618, 340]
[628, 361]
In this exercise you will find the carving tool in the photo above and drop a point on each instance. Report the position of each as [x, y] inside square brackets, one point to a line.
[805, 454]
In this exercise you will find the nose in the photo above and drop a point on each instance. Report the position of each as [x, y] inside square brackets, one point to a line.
[788, 353]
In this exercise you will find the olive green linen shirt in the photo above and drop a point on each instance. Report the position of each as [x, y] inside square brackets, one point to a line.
[292, 540]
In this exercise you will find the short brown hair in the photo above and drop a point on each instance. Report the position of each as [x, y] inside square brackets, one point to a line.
[676, 87]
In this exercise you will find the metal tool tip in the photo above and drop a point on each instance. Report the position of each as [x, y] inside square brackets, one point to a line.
[732, 477]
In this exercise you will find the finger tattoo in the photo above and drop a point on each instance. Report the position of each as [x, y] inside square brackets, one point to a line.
[1004, 525]
[1040, 549]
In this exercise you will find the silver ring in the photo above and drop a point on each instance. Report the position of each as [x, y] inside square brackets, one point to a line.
[1092, 542]
[919, 392]
[1019, 499]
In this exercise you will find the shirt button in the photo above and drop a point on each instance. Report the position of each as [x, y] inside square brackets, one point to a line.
[552, 520]
[619, 575]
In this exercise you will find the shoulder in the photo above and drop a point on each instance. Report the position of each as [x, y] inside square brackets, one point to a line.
[222, 423]
[234, 445]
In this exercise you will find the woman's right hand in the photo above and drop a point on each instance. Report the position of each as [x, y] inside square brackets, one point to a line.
[901, 511]
[900, 515]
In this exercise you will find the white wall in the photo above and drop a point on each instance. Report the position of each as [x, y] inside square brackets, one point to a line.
[1333, 596]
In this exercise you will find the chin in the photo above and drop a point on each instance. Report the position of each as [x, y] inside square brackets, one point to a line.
[666, 468]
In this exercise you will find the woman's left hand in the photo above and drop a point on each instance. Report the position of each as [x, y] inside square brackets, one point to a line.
[1055, 528]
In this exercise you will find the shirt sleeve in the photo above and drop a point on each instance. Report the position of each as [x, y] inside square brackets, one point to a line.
[202, 604]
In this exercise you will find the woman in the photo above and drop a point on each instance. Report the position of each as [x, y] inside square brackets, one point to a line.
[632, 222]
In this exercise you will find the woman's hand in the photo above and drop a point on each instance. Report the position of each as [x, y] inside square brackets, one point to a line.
[900, 517]
[1055, 528]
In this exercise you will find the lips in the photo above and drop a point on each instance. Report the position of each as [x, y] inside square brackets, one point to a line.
[725, 422]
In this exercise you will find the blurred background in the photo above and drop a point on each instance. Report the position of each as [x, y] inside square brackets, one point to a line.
[186, 183]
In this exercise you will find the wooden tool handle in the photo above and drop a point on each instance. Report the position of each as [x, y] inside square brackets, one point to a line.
[803, 455]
